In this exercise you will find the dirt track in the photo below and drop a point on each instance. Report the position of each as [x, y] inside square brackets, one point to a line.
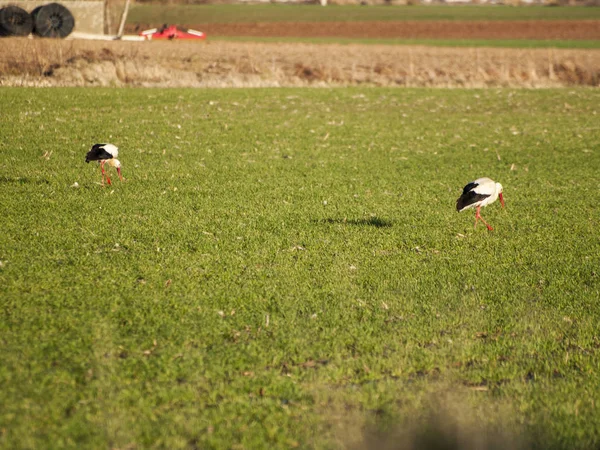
[571, 29]
[40, 62]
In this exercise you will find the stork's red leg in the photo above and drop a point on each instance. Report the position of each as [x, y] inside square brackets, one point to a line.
[103, 173]
[478, 216]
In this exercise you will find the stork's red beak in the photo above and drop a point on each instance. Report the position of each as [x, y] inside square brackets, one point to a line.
[119, 172]
[501, 199]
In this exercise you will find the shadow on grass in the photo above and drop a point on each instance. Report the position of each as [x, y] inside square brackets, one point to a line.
[22, 180]
[370, 222]
[446, 433]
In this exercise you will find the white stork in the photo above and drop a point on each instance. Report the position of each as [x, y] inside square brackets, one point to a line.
[103, 153]
[478, 193]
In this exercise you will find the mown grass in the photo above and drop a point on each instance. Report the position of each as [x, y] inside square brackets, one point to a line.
[228, 13]
[489, 43]
[286, 268]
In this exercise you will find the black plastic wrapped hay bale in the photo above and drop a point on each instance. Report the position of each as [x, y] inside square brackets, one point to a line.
[15, 21]
[52, 20]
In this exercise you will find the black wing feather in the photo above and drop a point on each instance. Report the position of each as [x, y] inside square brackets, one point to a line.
[469, 187]
[97, 153]
[469, 197]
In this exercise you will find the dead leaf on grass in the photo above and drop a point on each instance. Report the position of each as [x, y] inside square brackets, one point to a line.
[150, 351]
[311, 363]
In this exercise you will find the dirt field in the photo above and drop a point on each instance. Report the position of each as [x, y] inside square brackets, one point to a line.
[27, 62]
[538, 29]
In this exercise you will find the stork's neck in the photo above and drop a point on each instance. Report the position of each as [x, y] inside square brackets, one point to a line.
[498, 189]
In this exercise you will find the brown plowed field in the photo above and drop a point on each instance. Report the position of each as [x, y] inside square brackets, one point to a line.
[567, 29]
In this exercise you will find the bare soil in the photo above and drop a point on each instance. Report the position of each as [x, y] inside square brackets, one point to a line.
[522, 29]
[37, 62]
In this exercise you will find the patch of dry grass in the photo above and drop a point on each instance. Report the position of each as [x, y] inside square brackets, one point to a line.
[246, 64]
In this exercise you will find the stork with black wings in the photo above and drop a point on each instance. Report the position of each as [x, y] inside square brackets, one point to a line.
[105, 153]
[478, 193]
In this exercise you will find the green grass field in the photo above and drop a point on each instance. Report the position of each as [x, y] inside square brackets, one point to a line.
[223, 13]
[285, 268]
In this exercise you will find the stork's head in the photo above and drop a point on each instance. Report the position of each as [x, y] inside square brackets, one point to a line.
[117, 165]
[499, 191]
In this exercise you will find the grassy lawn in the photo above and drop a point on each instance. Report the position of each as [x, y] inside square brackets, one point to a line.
[352, 13]
[285, 268]
[490, 43]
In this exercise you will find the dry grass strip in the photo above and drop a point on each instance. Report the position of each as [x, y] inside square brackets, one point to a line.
[28, 62]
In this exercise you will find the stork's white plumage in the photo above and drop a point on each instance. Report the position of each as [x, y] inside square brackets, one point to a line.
[104, 153]
[478, 193]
